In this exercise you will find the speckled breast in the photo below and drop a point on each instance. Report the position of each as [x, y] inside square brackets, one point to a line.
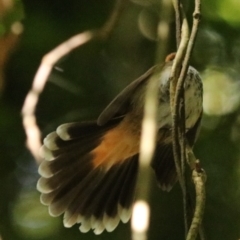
[193, 98]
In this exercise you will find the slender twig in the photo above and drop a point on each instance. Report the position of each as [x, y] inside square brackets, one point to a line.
[181, 130]
[177, 99]
[28, 111]
[199, 178]
[180, 97]
[178, 23]
[196, 20]
[176, 67]
[178, 134]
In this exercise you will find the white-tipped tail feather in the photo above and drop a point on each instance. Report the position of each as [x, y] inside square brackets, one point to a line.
[124, 213]
[42, 186]
[45, 153]
[77, 183]
[97, 225]
[69, 220]
[44, 170]
[62, 131]
[49, 141]
[110, 223]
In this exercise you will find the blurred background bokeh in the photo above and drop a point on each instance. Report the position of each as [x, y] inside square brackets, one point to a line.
[84, 81]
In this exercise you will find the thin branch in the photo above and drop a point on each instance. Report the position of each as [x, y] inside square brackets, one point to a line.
[199, 179]
[178, 132]
[28, 111]
[196, 20]
[177, 8]
[178, 135]
[177, 99]
[176, 67]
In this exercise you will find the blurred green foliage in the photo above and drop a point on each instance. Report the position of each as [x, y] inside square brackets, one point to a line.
[89, 79]
[14, 14]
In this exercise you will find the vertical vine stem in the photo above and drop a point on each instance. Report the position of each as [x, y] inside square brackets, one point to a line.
[178, 133]
[199, 179]
[179, 71]
[178, 22]
[176, 67]
[196, 20]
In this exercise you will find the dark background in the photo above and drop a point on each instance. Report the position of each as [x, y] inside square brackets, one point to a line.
[89, 78]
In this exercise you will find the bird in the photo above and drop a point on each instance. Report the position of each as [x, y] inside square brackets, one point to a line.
[89, 169]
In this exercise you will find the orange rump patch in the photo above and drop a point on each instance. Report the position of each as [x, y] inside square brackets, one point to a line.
[118, 144]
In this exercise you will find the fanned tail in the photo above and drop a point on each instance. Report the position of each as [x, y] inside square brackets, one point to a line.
[80, 178]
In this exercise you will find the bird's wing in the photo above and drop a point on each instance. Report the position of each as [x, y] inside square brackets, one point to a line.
[163, 161]
[119, 105]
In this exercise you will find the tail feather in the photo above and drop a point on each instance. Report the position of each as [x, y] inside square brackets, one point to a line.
[59, 147]
[71, 197]
[96, 195]
[101, 199]
[125, 175]
[126, 197]
[84, 130]
[61, 168]
[114, 196]
[164, 166]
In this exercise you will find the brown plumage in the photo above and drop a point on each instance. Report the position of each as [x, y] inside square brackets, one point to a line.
[90, 169]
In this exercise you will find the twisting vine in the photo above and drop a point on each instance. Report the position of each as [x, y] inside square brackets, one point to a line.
[179, 70]
[31, 128]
